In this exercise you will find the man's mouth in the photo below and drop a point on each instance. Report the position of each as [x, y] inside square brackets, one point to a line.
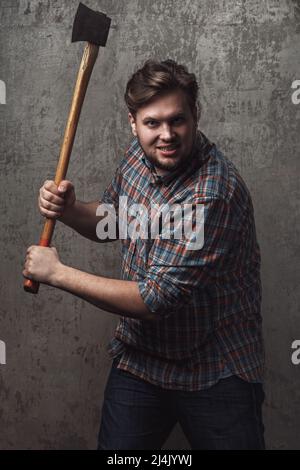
[168, 149]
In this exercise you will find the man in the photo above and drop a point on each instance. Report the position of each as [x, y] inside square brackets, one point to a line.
[188, 347]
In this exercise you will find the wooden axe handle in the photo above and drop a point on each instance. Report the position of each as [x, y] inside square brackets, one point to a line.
[86, 67]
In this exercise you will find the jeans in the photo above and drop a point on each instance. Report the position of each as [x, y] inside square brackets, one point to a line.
[139, 415]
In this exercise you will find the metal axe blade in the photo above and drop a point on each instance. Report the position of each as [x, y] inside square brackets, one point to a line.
[91, 26]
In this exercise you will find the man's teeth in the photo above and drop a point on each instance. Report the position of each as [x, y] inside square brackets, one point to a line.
[173, 147]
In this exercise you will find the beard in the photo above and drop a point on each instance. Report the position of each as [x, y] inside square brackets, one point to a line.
[167, 165]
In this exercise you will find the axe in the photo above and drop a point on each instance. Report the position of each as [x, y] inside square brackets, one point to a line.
[93, 27]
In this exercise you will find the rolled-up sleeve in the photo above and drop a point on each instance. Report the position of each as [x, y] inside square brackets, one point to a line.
[175, 271]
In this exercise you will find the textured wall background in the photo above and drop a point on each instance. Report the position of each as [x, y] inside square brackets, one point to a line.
[245, 54]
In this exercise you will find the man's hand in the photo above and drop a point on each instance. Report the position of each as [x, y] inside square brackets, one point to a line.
[55, 201]
[41, 264]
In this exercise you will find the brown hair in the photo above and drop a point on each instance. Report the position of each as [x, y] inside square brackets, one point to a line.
[157, 78]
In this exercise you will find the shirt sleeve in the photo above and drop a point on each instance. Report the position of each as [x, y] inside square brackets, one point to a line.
[111, 193]
[175, 270]
[108, 228]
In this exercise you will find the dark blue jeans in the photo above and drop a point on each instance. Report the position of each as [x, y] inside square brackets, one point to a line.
[139, 415]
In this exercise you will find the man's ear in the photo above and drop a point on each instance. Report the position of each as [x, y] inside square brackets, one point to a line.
[132, 124]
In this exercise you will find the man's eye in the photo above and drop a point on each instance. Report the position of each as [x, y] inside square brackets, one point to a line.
[178, 120]
[152, 123]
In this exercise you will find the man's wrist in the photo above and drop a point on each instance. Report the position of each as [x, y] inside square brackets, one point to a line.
[59, 275]
[68, 214]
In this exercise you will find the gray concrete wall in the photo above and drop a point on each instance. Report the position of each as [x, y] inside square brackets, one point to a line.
[245, 54]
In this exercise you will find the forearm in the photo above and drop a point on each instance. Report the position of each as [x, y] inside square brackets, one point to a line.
[113, 295]
[82, 218]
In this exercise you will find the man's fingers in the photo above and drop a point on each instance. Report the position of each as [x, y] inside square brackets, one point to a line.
[26, 274]
[49, 196]
[50, 214]
[51, 187]
[50, 206]
[65, 186]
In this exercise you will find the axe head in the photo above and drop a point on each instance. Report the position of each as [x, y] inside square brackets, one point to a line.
[91, 26]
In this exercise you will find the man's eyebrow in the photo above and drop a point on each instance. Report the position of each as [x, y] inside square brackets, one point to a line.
[175, 115]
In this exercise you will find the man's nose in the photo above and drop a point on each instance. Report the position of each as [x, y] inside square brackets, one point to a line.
[167, 132]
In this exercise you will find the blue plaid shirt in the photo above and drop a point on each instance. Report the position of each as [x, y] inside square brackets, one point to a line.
[208, 300]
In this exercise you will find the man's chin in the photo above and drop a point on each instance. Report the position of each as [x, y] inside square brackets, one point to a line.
[166, 164]
[169, 164]
[167, 167]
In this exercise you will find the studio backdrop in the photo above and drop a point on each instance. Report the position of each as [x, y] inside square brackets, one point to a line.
[245, 55]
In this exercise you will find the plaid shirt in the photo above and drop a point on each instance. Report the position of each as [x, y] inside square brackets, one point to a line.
[207, 300]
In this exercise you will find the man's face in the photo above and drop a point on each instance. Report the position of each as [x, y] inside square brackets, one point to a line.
[166, 129]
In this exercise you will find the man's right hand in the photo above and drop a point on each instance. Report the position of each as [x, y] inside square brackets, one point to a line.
[54, 201]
